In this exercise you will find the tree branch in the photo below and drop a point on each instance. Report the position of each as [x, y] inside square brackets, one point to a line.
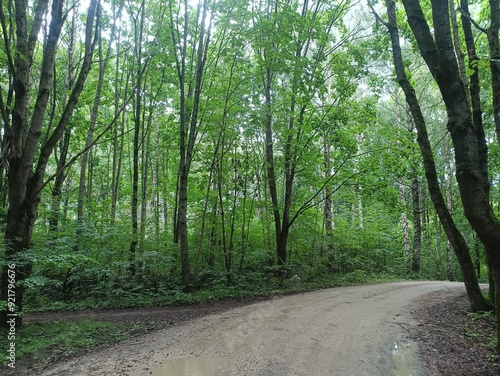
[472, 21]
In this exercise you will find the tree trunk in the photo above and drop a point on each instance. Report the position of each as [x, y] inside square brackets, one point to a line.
[25, 185]
[460, 247]
[82, 187]
[449, 204]
[494, 47]
[118, 136]
[222, 210]
[138, 125]
[245, 223]
[58, 184]
[154, 198]
[457, 43]
[405, 226]
[64, 142]
[417, 228]
[271, 175]
[439, 263]
[441, 61]
[146, 158]
[205, 209]
[327, 209]
[188, 123]
[475, 99]
[475, 92]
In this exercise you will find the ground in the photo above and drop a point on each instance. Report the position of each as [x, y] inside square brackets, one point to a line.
[450, 342]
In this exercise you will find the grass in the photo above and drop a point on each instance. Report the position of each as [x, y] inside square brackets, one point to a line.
[44, 342]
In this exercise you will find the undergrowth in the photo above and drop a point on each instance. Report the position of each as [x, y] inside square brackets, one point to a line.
[42, 343]
[480, 327]
[217, 288]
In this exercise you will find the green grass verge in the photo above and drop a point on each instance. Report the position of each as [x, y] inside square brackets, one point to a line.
[44, 342]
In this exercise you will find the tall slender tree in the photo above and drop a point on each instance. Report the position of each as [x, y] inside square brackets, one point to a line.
[191, 37]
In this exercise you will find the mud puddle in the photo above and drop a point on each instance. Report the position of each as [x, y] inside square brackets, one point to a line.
[405, 358]
[190, 367]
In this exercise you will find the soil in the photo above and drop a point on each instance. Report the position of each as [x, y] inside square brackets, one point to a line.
[451, 342]
[433, 315]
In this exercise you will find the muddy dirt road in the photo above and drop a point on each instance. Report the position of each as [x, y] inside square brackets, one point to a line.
[358, 331]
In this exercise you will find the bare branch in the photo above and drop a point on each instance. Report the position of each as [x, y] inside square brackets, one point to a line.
[377, 16]
[472, 21]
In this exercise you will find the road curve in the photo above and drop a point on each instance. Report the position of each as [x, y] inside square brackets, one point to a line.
[358, 330]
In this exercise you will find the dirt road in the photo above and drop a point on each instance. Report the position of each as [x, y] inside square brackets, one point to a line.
[358, 331]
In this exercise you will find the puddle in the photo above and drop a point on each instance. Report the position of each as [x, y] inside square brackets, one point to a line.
[190, 367]
[404, 357]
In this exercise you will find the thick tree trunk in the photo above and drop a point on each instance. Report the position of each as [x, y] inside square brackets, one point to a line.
[460, 247]
[457, 44]
[440, 58]
[25, 185]
[20, 222]
[475, 98]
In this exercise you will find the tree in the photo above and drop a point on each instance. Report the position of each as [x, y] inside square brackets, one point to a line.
[458, 242]
[24, 129]
[103, 63]
[190, 57]
[470, 159]
[303, 73]
[63, 144]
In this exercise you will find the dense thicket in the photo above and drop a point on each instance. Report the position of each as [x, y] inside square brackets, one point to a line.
[220, 142]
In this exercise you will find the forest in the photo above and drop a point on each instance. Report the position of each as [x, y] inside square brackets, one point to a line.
[152, 151]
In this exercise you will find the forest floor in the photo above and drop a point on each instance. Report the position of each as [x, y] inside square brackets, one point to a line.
[453, 341]
[450, 340]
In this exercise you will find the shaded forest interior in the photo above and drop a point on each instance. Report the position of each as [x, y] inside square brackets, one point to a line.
[150, 149]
